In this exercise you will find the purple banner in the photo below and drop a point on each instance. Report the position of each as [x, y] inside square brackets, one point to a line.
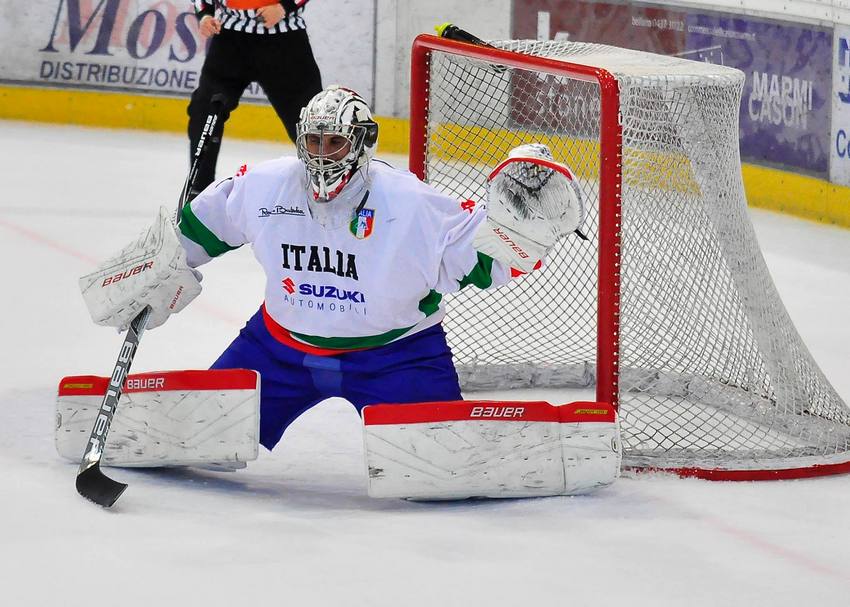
[644, 28]
[785, 112]
[786, 105]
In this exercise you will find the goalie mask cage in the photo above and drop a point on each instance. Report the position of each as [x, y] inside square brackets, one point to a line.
[668, 308]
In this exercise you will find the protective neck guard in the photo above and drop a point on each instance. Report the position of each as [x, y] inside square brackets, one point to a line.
[338, 212]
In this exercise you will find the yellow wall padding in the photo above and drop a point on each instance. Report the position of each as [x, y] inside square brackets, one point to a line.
[783, 191]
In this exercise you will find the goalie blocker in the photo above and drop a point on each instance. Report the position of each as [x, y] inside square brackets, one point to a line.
[463, 449]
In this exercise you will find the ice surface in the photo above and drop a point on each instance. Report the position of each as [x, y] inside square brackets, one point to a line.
[296, 527]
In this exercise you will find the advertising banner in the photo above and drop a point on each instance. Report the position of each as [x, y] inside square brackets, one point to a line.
[839, 163]
[554, 100]
[153, 46]
[785, 111]
[644, 28]
[149, 46]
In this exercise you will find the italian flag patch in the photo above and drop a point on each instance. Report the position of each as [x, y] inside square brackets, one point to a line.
[361, 225]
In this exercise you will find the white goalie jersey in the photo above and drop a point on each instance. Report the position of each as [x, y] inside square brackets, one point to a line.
[375, 276]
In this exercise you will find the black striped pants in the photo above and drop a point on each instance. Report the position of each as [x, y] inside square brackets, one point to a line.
[283, 65]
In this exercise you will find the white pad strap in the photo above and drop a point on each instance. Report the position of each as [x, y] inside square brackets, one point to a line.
[457, 450]
[150, 271]
[171, 418]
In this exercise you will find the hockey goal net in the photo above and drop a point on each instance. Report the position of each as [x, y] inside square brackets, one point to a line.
[668, 309]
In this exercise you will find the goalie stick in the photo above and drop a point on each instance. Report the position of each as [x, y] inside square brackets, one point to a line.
[452, 32]
[91, 482]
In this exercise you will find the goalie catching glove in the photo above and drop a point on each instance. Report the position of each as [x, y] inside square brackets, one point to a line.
[150, 271]
[532, 201]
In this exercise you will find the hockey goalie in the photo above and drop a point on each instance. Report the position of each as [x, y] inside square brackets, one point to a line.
[358, 258]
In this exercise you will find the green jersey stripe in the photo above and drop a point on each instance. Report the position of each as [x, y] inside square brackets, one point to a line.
[481, 274]
[192, 228]
[430, 303]
[351, 343]
[428, 306]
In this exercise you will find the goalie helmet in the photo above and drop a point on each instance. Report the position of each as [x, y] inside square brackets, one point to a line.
[532, 189]
[339, 115]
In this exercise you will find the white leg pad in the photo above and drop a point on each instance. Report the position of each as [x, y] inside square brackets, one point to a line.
[458, 450]
[171, 418]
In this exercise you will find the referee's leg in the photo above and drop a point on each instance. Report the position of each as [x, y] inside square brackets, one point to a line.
[289, 75]
[224, 71]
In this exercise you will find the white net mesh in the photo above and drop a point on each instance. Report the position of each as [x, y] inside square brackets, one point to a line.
[712, 372]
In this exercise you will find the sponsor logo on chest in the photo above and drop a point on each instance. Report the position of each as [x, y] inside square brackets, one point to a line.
[301, 258]
[322, 298]
[322, 291]
[280, 210]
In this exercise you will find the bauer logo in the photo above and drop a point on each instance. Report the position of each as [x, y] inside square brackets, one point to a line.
[144, 383]
[497, 412]
[131, 272]
[176, 298]
[511, 243]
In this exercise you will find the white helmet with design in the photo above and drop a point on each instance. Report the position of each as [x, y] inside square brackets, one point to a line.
[335, 112]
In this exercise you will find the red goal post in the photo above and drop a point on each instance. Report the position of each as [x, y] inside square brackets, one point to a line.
[608, 293]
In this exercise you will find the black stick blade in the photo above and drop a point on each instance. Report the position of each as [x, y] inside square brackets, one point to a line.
[94, 485]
